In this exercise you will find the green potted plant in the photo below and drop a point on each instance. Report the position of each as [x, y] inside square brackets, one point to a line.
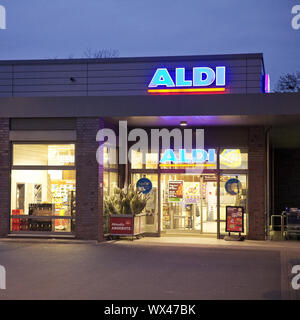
[125, 208]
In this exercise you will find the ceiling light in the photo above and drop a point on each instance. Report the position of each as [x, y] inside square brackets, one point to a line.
[183, 123]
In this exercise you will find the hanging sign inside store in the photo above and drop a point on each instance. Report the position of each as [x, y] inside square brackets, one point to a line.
[196, 157]
[144, 185]
[234, 219]
[202, 80]
[231, 158]
[233, 186]
[209, 178]
[191, 192]
[175, 191]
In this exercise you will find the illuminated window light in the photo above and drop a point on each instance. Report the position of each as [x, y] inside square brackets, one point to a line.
[231, 158]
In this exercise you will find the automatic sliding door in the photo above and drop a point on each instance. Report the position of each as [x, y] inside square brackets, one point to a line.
[188, 203]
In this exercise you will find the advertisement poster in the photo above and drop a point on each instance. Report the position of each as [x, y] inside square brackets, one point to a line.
[191, 192]
[121, 225]
[175, 191]
[234, 219]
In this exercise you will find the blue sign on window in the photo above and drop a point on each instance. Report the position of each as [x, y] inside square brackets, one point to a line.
[144, 185]
[233, 186]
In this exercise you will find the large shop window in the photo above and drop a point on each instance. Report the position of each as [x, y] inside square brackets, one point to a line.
[151, 209]
[234, 159]
[43, 196]
[150, 162]
[43, 155]
[233, 194]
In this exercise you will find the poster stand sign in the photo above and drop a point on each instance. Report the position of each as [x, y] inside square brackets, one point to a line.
[235, 220]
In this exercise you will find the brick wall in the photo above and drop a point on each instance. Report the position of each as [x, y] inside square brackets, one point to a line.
[4, 176]
[287, 179]
[89, 181]
[256, 183]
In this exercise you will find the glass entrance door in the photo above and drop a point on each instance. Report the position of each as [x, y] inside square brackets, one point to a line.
[188, 203]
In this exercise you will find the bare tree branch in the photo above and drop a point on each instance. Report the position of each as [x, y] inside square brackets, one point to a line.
[289, 82]
[102, 53]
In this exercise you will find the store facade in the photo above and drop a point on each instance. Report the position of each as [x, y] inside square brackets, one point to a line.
[51, 112]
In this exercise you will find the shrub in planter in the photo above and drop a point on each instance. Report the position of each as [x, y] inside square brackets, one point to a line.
[125, 201]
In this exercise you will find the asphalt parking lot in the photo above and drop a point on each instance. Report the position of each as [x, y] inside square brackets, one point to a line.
[139, 270]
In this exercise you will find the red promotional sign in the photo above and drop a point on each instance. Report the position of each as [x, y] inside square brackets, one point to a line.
[234, 219]
[121, 225]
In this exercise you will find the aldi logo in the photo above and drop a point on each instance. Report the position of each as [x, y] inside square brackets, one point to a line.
[2, 17]
[2, 278]
[202, 80]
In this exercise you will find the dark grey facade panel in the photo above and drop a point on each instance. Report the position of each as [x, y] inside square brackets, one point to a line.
[7, 88]
[254, 62]
[253, 90]
[253, 76]
[117, 87]
[149, 72]
[238, 77]
[49, 81]
[117, 93]
[254, 69]
[254, 84]
[116, 80]
[5, 82]
[50, 94]
[137, 59]
[118, 77]
[5, 68]
[220, 138]
[43, 124]
[47, 88]
[51, 67]
[6, 75]
[5, 94]
[50, 74]
[125, 106]
[169, 65]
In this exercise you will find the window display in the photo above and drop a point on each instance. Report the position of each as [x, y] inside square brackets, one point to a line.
[43, 200]
[56, 198]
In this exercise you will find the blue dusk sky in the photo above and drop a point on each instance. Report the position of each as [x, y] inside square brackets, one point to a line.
[43, 29]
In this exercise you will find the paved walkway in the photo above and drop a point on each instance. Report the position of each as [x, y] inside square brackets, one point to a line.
[207, 241]
[289, 253]
[149, 268]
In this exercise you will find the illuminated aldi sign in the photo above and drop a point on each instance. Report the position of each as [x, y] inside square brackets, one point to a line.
[229, 158]
[202, 80]
[184, 158]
